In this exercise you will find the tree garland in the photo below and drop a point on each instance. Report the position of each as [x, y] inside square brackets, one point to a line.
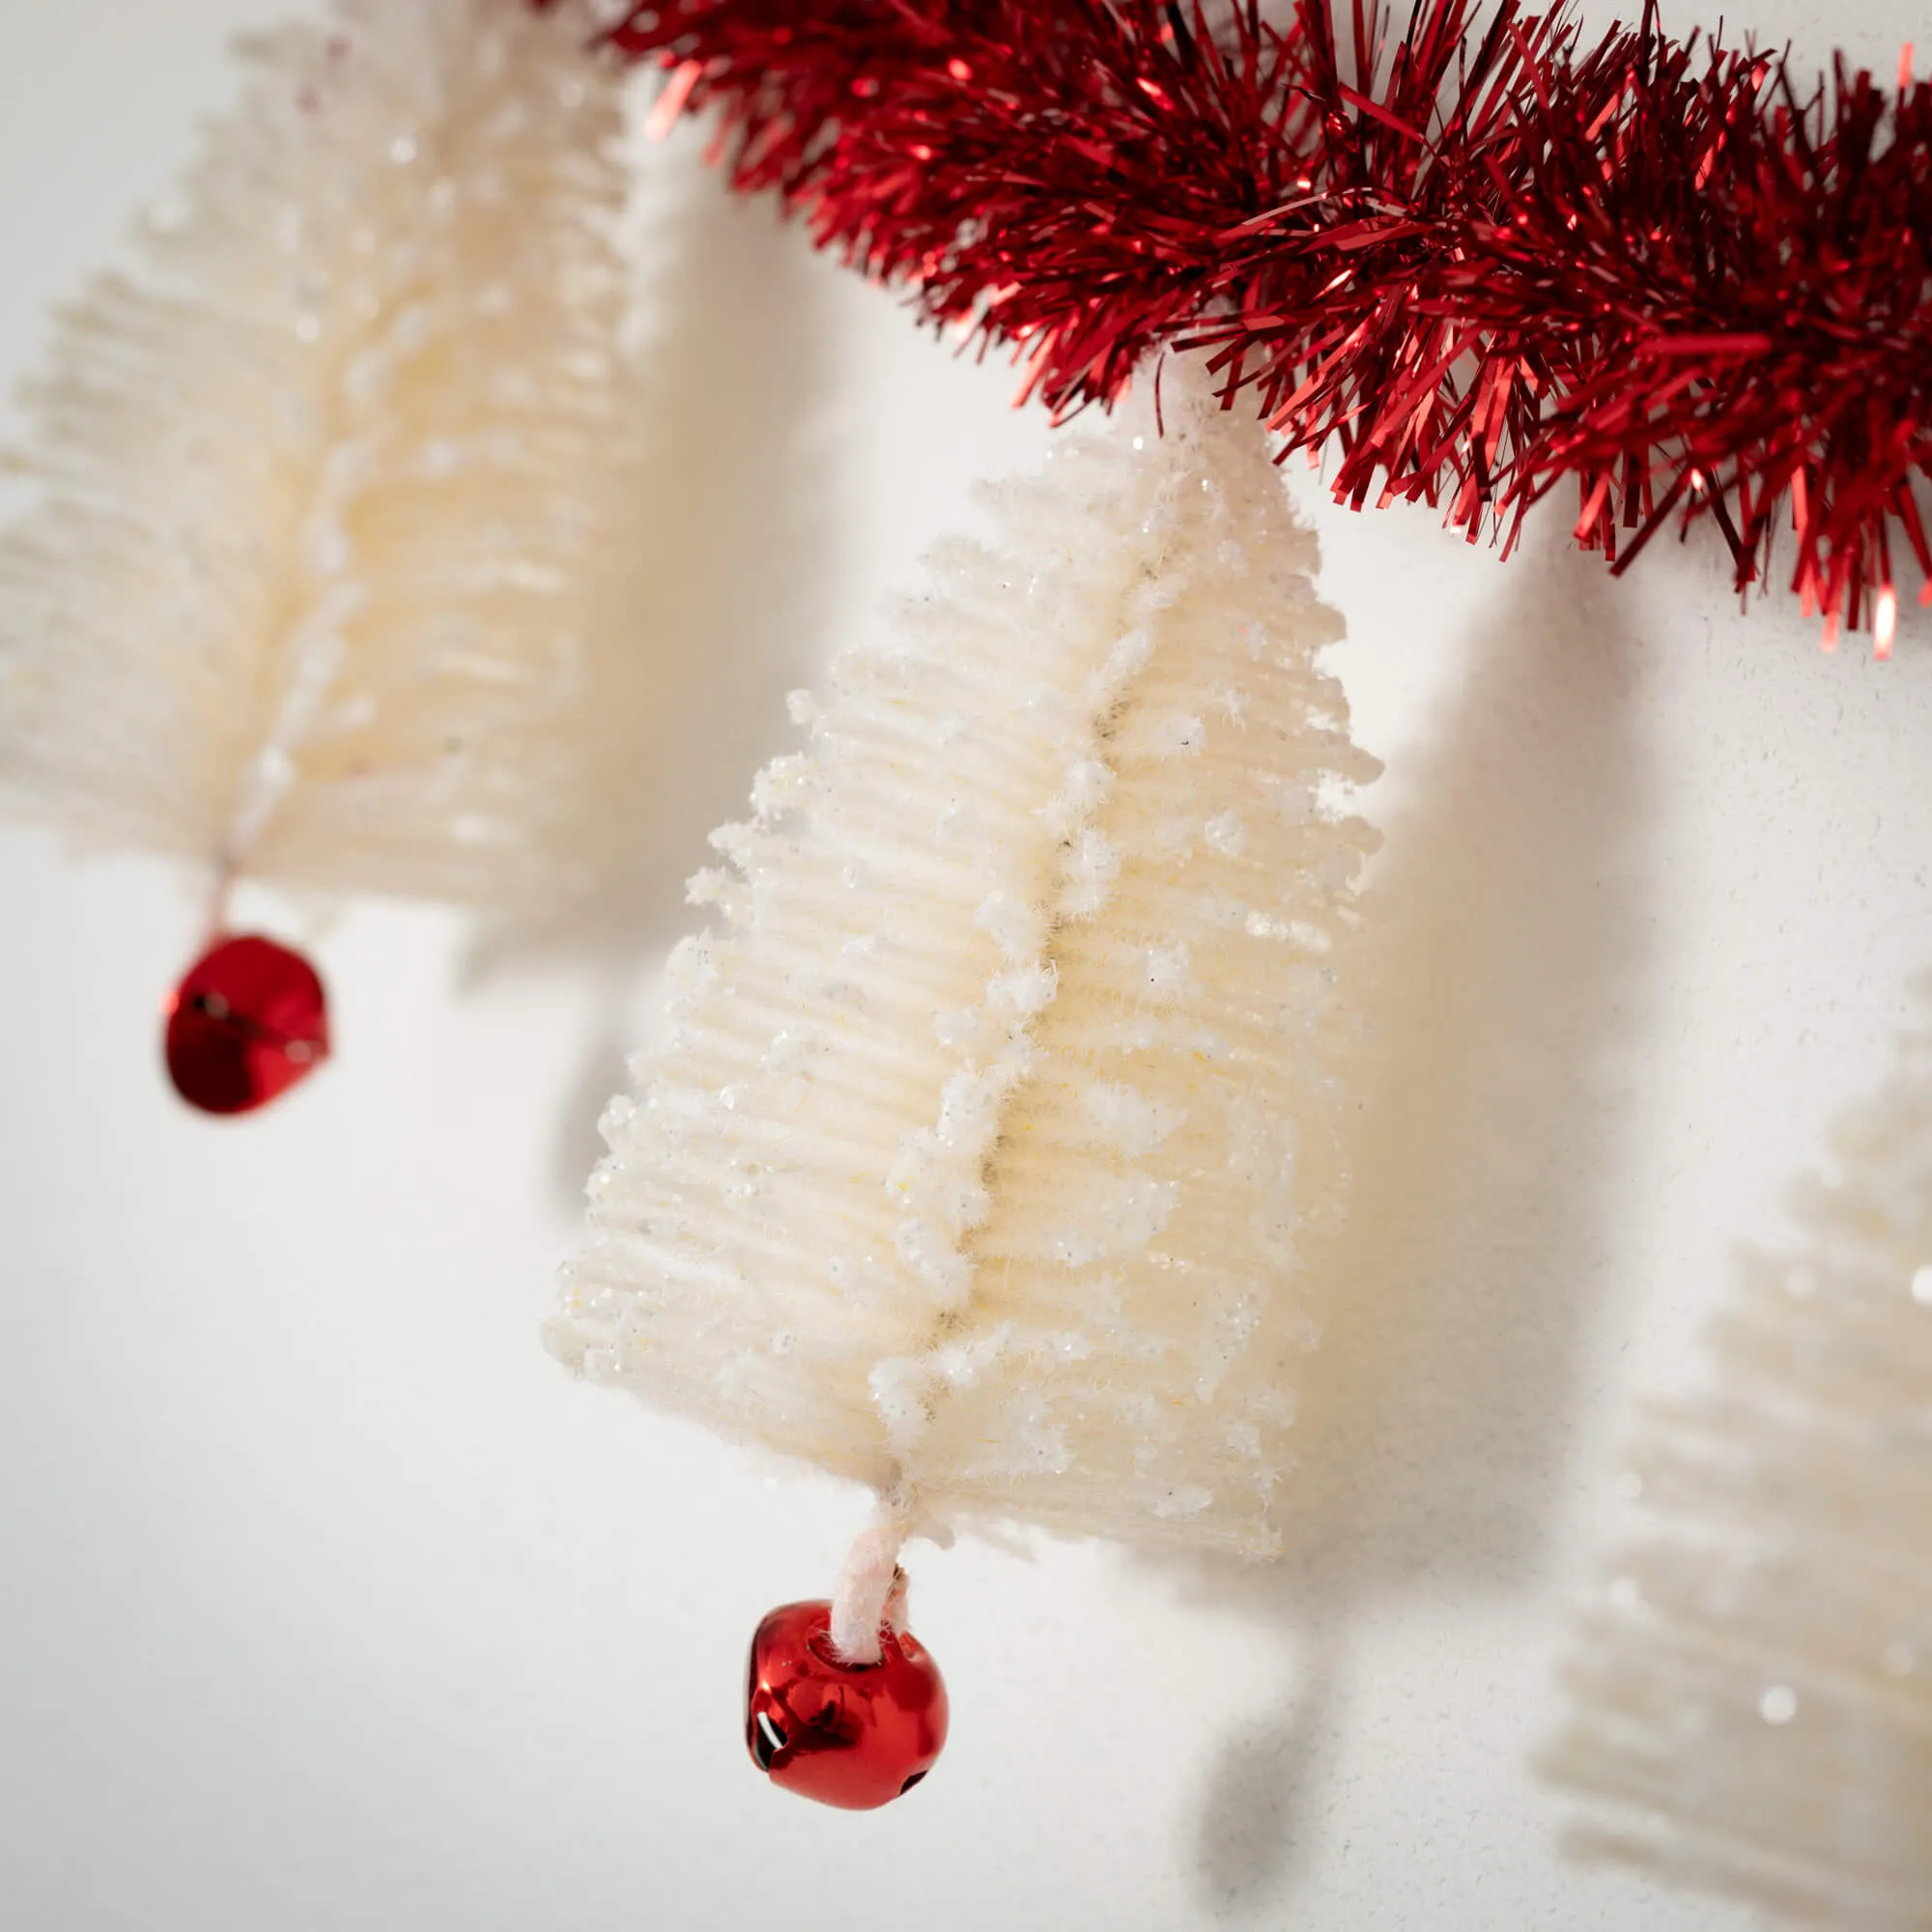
[1474, 256]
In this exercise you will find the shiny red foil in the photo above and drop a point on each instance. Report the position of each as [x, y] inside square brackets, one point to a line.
[1471, 255]
[247, 1021]
[851, 1734]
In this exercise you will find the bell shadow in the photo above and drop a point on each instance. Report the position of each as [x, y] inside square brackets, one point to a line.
[1498, 967]
[725, 595]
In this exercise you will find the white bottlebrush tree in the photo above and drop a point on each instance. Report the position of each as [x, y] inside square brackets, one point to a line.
[1750, 1707]
[998, 1106]
[314, 586]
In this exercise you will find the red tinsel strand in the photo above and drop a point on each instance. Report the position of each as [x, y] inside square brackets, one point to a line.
[1470, 254]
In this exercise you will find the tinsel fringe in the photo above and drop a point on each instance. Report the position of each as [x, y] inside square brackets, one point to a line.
[1476, 256]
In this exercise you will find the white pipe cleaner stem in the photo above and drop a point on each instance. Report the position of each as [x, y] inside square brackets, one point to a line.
[871, 1586]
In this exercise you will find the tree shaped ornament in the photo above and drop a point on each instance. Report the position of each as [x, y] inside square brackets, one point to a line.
[313, 590]
[1750, 1707]
[996, 1112]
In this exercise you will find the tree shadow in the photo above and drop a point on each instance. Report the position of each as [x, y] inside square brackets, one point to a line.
[1498, 969]
[724, 593]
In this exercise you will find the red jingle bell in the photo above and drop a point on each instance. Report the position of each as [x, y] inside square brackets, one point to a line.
[854, 1735]
[247, 1021]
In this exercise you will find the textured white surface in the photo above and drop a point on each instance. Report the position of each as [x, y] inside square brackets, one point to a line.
[996, 1124]
[328, 1603]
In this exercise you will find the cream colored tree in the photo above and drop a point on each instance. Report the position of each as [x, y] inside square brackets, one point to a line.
[316, 587]
[1750, 1706]
[998, 1107]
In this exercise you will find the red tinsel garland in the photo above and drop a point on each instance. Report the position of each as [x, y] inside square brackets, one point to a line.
[1475, 254]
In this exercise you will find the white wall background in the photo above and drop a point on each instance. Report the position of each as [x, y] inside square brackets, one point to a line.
[326, 1601]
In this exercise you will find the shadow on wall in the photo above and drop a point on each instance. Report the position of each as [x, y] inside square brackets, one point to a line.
[1498, 975]
[728, 585]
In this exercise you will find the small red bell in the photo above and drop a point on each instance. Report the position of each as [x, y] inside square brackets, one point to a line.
[247, 1021]
[854, 1735]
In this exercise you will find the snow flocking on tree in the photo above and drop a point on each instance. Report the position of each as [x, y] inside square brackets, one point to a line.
[998, 1107]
